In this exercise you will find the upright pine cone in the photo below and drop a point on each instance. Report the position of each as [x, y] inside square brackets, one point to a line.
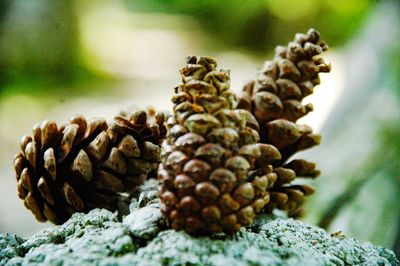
[85, 165]
[274, 98]
[209, 153]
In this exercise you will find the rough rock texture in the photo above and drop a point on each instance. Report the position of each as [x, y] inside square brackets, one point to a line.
[98, 238]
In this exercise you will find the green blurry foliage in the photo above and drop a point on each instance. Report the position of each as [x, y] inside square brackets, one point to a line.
[39, 39]
[260, 25]
[40, 47]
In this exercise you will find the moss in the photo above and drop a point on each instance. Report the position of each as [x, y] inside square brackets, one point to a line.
[140, 239]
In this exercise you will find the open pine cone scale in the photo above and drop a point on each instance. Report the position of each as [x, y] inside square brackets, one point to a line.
[85, 165]
[275, 98]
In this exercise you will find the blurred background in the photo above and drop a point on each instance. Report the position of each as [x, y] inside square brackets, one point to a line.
[96, 58]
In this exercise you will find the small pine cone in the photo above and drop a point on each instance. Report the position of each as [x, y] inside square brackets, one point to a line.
[274, 98]
[138, 138]
[208, 154]
[84, 165]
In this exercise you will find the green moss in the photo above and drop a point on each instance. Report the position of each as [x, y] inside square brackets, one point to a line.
[141, 239]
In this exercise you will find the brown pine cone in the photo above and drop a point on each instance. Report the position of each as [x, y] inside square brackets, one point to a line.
[274, 98]
[85, 165]
[208, 155]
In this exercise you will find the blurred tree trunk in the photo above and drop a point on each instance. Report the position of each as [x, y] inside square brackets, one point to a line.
[4, 4]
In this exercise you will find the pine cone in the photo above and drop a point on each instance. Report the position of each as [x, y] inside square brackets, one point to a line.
[85, 165]
[208, 155]
[274, 98]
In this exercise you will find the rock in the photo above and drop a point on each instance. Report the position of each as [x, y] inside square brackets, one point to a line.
[98, 238]
[10, 247]
[145, 223]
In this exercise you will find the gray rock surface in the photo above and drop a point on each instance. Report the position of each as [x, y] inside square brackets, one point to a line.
[98, 238]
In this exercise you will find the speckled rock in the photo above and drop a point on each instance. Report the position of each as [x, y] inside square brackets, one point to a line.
[98, 238]
[145, 223]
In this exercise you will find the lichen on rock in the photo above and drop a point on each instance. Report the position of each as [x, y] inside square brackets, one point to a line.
[98, 238]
